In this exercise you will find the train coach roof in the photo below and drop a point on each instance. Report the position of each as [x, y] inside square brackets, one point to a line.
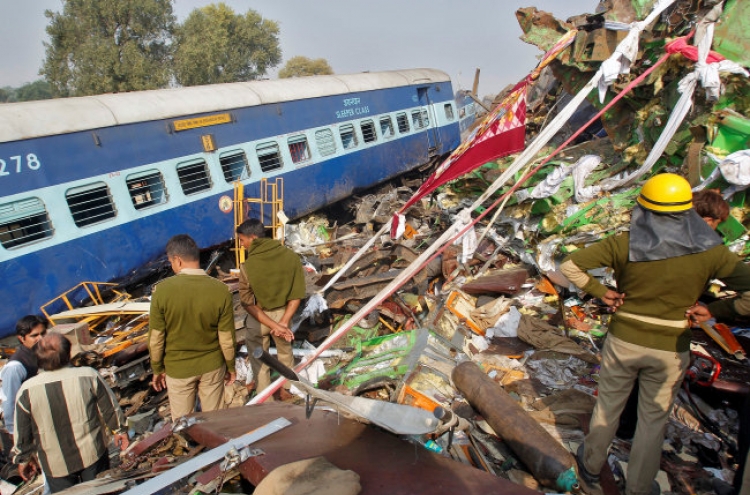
[19, 121]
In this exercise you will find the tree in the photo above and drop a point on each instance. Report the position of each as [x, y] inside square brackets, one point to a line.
[102, 46]
[37, 90]
[215, 45]
[303, 66]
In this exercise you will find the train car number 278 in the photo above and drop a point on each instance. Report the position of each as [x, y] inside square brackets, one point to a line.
[19, 163]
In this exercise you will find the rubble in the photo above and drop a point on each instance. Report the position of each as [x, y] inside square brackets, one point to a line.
[469, 319]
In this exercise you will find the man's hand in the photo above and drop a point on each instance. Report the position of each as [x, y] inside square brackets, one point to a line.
[229, 377]
[159, 381]
[28, 470]
[698, 313]
[283, 332]
[122, 440]
[613, 299]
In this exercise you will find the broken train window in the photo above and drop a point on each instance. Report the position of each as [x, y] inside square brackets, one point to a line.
[269, 156]
[234, 166]
[194, 177]
[23, 222]
[90, 204]
[298, 148]
[348, 137]
[146, 189]
[386, 126]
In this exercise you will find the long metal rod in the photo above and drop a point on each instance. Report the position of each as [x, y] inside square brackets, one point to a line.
[187, 468]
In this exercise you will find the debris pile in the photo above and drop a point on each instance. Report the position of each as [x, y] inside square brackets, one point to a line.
[494, 353]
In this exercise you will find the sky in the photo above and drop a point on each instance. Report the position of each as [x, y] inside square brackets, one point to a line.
[352, 35]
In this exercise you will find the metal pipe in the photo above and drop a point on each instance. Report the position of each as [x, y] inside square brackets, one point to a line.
[273, 363]
[549, 462]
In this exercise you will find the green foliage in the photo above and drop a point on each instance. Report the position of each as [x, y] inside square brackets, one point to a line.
[215, 45]
[302, 66]
[103, 46]
[37, 90]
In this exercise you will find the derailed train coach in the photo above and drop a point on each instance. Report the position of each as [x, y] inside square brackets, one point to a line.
[93, 187]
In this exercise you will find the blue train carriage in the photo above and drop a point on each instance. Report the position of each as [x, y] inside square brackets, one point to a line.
[93, 187]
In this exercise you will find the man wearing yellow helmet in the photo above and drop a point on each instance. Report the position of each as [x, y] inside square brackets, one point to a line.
[661, 268]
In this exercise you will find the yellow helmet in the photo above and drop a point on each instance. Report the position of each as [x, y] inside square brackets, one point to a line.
[666, 193]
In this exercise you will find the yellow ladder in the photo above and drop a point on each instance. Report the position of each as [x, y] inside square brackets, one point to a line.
[271, 196]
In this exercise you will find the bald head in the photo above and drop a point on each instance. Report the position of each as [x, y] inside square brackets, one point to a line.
[53, 352]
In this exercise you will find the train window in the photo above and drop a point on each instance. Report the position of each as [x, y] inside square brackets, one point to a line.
[90, 204]
[325, 142]
[194, 177]
[234, 166]
[23, 222]
[403, 123]
[368, 131]
[269, 156]
[298, 148]
[425, 119]
[348, 137]
[146, 189]
[448, 111]
[386, 127]
[416, 119]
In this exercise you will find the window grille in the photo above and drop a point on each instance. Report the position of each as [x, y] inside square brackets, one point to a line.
[386, 127]
[269, 157]
[23, 222]
[146, 189]
[403, 123]
[194, 177]
[368, 131]
[425, 119]
[348, 137]
[298, 149]
[324, 140]
[90, 204]
[234, 166]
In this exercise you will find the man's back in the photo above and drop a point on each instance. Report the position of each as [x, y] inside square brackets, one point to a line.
[192, 310]
[64, 412]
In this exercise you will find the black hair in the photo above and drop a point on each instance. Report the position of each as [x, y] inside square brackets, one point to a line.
[252, 227]
[184, 246]
[25, 325]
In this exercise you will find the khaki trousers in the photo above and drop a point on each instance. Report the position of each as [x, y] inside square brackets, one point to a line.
[659, 376]
[208, 386]
[260, 336]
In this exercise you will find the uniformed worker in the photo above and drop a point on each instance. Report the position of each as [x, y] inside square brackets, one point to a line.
[661, 267]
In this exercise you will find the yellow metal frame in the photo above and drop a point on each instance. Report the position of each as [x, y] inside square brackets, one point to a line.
[94, 291]
[271, 196]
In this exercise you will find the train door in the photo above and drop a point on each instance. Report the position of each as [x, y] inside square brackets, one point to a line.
[428, 119]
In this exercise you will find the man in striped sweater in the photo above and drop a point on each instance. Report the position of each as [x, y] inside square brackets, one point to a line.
[62, 415]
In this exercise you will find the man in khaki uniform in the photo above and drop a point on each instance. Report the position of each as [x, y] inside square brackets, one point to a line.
[272, 284]
[191, 333]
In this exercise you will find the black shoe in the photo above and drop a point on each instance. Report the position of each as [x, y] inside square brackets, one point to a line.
[590, 479]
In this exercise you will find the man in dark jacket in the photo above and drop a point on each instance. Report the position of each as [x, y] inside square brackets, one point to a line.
[272, 284]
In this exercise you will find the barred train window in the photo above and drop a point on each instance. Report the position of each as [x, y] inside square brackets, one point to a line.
[348, 137]
[23, 222]
[403, 123]
[386, 127]
[416, 119]
[448, 111]
[90, 204]
[268, 156]
[425, 119]
[194, 177]
[368, 131]
[298, 148]
[324, 140]
[234, 166]
[146, 189]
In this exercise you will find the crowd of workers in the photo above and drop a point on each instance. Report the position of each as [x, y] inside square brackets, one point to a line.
[58, 418]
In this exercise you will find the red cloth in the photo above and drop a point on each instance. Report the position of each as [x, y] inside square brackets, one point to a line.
[502, 133]
[691, 51]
